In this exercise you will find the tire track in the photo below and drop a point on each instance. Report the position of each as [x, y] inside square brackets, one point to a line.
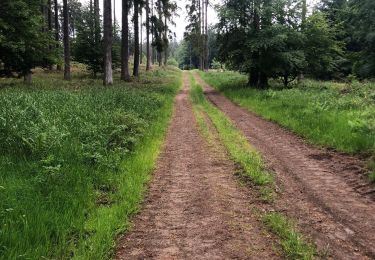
[195, 208]
[329, 208]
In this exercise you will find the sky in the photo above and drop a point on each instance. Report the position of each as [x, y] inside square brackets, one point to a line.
[181, 20]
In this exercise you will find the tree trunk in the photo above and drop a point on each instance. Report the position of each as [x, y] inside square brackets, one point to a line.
[159, 55]
[141, 39]
[125, 42]
[57, 31]
[203, 36]
[255, 71]
[27, 77]
[108, 34]
[200, 14]
[166, 40]
[114, 17]
[304, 13]
[49, 14]
[67, 75]
[148, 61]
[285, 81]
[97, 21]
[206, 38]
[263, 81]
[253, 77]
[136, 39]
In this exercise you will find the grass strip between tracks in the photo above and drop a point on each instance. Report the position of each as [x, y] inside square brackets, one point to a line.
[293, 244]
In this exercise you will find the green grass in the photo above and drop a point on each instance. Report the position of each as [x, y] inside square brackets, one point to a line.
[371, 166]
[74, 161]
[234, 141]
[291, 241]
[332, 114]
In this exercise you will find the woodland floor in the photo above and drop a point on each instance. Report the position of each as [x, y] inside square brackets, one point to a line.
[197, 209]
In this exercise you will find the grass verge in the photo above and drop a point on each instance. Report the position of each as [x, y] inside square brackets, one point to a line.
[292, 242]
[74, 160]
[337, 115]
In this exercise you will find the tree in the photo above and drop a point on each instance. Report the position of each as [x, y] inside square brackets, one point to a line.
[22, 42]
[108, 35]
[57, 32]
[322, 50]
[141, 37]
[67, 74]
[158, 31]
[362, 25]
[205, 37]
[85, 48]
[148, 58]
[261, 38]
[169, 11]
[136, 38]
[125, 42]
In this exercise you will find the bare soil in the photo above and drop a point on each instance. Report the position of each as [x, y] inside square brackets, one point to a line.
[195, 208]
[324, 190]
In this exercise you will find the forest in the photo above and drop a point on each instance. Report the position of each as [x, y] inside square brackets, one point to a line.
[192, 129]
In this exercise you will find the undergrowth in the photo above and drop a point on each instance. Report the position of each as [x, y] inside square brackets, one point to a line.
[74, 159]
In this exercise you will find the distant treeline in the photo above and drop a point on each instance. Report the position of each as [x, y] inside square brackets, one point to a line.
[49, 33]
[282, 39]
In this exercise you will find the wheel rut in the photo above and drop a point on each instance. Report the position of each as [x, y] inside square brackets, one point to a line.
[317, 188]
[195, 208]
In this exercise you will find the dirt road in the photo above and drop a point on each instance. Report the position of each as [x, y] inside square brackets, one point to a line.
[195, 208]
[318, 188]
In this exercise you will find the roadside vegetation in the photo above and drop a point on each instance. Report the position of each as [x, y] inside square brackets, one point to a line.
[74, 160]
[338, 115]
[293, 244]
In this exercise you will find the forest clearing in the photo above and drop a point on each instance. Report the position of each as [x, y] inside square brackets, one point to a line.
[194, 129]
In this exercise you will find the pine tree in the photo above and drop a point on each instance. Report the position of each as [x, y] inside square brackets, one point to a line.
[148, 61]
[125, 41]
[57, 32]
[136, 38]
[108, 36]
[67, 74]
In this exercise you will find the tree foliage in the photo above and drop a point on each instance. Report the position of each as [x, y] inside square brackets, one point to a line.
[87, 49]
[23, 42]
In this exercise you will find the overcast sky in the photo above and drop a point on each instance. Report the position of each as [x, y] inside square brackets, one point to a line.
[181, 20]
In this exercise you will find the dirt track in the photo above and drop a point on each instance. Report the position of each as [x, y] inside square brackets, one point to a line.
[195, 208]
[318, 188]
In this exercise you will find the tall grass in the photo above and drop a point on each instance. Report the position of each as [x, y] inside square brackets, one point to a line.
[337, 115]
[74, 159]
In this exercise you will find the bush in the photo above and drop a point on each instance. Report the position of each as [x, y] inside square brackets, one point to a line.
[172, 62]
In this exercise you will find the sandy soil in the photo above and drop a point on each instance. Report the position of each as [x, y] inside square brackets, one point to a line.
[195, 208]
[323, 190]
